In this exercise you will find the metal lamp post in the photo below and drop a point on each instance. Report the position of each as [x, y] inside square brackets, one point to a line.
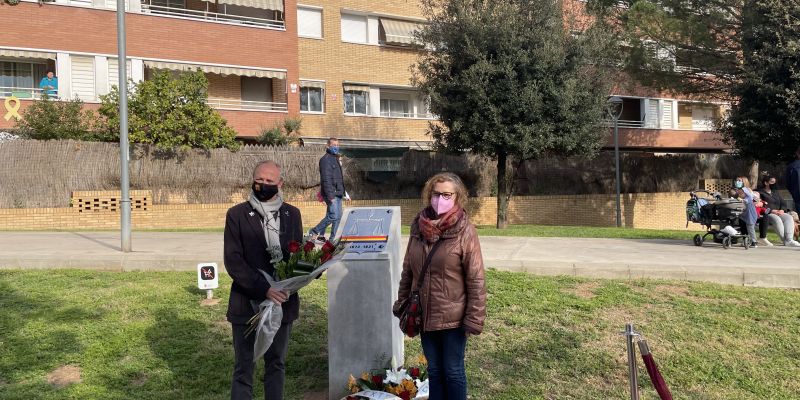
[125, 198]
[614, 110]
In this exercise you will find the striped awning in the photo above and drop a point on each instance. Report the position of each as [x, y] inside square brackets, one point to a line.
[265, 4]
[26, 54]
[401, 32]
[214, 69]
[349, 87]
[313, 84]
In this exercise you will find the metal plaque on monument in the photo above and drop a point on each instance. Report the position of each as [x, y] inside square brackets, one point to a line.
[361, 292]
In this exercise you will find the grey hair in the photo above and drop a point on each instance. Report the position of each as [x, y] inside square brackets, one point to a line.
[270, 163]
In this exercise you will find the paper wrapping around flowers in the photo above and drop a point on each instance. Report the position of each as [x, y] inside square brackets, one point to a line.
[271, 315]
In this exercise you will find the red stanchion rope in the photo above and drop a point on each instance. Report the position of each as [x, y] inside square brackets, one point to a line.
[652, 369]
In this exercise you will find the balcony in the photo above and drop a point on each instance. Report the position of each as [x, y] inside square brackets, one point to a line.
[256, 13]
[411, 115]
[24, 93]
[244, 105]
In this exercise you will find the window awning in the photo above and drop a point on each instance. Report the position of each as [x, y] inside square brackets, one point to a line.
[355, 88]
[213, 69]
[312, 84]
[265, 4]
[401, 32]
[26, 54]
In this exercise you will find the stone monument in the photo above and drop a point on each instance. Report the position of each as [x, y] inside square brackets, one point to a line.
[361, 292]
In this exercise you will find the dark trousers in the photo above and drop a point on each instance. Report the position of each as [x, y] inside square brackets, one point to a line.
[274, 364]
[445, 353]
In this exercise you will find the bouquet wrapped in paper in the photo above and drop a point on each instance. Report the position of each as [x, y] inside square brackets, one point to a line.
[305, 264]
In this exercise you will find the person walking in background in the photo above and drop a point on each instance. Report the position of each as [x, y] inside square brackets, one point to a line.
[257, 235]
[793, 180]
[453, 295]
[332, 191]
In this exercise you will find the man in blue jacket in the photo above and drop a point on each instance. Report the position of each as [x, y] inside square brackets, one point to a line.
[332, 190]
[793, 179]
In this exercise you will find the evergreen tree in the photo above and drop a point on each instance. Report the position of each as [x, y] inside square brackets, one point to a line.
[513, 80]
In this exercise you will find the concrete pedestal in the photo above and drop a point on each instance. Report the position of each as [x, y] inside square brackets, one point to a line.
[361, 292]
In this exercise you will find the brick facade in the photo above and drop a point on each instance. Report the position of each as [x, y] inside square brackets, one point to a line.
[334, 61]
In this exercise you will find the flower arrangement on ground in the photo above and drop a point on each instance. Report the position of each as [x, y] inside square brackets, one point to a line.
[404, 383]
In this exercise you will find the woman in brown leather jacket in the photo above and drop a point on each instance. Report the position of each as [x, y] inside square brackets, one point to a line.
[453, 294]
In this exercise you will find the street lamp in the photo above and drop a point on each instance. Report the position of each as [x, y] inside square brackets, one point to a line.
[614, 109]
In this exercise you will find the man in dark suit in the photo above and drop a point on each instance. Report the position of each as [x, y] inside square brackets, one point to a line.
[331, 181]
[257, 234]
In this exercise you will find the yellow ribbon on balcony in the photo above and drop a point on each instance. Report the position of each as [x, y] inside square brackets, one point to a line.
[12, 109]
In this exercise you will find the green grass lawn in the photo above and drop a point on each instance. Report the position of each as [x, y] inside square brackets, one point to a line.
[146, 336]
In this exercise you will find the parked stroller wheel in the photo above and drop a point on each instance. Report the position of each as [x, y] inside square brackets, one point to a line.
[698, 240]
[726, 242]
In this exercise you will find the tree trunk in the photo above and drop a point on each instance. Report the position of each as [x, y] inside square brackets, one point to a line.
[503, 191]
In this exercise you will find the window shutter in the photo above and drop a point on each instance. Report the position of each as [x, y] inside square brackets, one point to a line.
[309, 22]
[666, 116]
[83, 78]
[651, 118]
[354, 28]
[113, 72]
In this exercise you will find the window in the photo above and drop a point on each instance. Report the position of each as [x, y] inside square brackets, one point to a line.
[169, 3]
[356, 102]
[309, 22]
[20, 79]
[312, 99]
[83, 85]
[397, 32]
[394, 108]
[354, 28]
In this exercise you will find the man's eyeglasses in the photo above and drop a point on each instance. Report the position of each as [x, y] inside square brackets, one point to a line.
[444, 195]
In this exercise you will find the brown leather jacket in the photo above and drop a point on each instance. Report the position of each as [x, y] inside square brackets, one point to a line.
[454, 291]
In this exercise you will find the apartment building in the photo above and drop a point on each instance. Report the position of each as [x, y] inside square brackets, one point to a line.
[343, 66]
[246, 48]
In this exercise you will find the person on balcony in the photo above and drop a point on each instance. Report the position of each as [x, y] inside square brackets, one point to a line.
[49, 84]
[332, 191]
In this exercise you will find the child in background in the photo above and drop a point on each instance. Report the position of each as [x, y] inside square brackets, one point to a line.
[750, 215]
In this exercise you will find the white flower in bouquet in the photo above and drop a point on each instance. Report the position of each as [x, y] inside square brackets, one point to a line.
[396, 377]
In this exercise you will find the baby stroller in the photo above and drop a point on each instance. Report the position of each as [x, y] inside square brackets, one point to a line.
[719, 216]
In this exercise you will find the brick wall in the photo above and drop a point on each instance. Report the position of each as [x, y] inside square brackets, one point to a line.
[648, 210]
[224, 87]
[334, 61]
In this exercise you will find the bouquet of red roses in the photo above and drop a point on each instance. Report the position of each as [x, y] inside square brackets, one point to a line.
[304, 259]
[305, 264]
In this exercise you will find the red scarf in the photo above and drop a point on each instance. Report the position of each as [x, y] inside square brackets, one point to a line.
[431, 225]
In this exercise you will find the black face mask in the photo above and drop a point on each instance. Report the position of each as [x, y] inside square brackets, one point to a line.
[264, 191]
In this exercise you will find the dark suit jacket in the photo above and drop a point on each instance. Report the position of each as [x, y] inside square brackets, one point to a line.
[246, 253]
[331, 177]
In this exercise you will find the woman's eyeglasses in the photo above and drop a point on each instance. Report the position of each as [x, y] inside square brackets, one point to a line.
[444, 195]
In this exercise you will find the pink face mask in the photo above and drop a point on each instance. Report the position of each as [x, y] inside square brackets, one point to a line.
[442, 205]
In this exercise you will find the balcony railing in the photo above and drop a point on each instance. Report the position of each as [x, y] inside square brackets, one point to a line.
[234, 104]
[624, 123]
[392, 114]
[149, 8]
[23, 93]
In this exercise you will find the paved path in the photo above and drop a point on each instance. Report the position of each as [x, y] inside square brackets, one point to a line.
[601, 258]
